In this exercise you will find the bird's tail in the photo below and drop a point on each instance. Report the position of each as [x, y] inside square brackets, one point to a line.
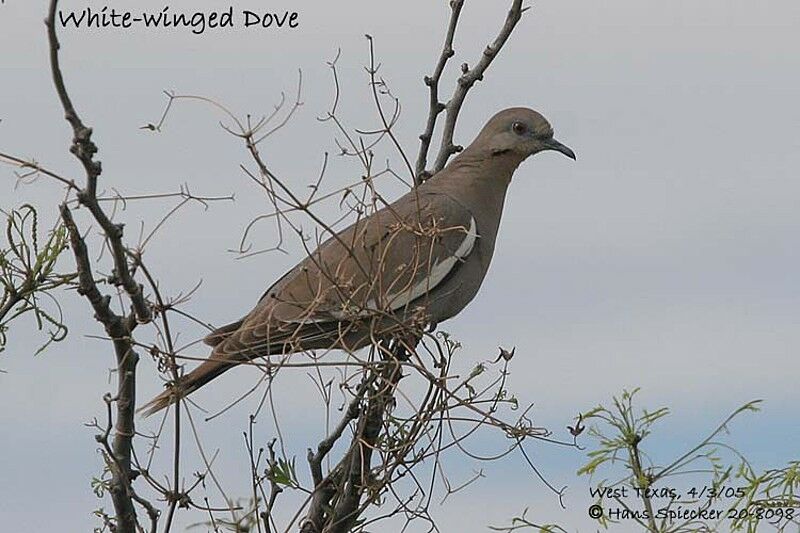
[185, 386]
[222, 333]
[198, 377]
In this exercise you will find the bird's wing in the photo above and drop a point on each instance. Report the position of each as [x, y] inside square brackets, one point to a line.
[382, 263]
[387, 263]
[222, 332]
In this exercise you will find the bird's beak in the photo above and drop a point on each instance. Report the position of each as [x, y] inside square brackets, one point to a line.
[552, 144]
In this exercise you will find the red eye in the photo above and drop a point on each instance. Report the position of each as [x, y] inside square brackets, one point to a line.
[519, 128]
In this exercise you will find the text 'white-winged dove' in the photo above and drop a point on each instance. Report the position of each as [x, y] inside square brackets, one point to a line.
[417, 261]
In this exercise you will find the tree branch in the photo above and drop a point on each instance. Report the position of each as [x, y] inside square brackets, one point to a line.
[117, 327]
[84, 149]
[370, 423]
[467, 80]
[435, 107]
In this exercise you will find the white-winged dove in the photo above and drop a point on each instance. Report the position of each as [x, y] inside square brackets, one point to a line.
[417, 261]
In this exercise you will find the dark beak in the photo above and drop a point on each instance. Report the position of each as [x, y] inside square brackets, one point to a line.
[553, 144]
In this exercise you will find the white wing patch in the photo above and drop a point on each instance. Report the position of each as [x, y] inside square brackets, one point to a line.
[437, 273]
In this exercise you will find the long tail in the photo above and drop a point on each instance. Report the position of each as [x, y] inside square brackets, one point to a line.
[186, 385]
[224, 357]
[197, 377]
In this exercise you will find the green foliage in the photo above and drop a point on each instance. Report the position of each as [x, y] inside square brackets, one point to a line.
[627, 430]
[100, 486]
[245, 517]
[283, 473]
[519, 523]
[767, 496]
[28, 272]
[743, 498]
[722, 480]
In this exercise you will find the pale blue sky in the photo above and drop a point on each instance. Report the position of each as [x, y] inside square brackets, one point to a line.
[666, 257]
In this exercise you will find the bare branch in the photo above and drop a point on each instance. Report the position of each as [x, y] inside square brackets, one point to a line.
[465, 83]
[119, 331]
[84, 149]
[435, 107]
[117, 327]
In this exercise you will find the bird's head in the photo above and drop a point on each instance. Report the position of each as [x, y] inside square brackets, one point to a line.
[519, 132]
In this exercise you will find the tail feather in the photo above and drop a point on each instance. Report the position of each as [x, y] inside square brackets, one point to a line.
[185, 386]
[222, 333]
[234, 352]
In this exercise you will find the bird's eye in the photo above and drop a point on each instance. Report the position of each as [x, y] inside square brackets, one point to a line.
[519, 128]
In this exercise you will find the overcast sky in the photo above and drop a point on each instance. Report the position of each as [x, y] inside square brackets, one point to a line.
[666, 257]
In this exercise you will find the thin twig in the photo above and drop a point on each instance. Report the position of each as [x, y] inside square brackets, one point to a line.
[467, 80]
[435, 107]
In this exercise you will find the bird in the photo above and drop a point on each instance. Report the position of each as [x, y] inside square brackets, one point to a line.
[412, 263]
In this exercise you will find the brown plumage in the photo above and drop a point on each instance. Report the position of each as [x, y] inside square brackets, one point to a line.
[418, 260]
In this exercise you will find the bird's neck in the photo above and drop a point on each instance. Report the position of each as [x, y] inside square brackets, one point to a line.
[483, 165]
[483, 171]
[475, 179]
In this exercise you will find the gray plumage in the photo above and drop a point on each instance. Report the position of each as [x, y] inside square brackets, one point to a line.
[416, 261]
